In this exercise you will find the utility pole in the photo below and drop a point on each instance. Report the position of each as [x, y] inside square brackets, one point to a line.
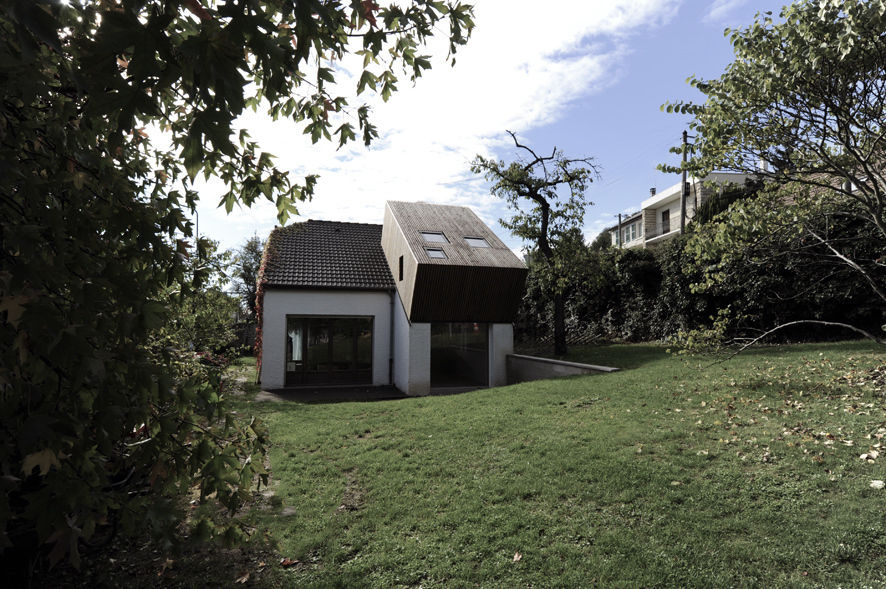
[683, 191]
[618, 235]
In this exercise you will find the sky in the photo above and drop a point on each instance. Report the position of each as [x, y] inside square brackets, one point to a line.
[586, 76]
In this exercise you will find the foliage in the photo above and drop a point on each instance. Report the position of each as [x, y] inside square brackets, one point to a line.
[725, 195]
[663, 473]
[103, 422]
[804, 103]
[545, 217]
[204, 321]
[247, 262]
[616, 294]
[771, 261]
[727, 280]
[602, 241]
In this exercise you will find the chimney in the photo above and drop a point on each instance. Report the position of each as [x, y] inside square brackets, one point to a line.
[652, 191]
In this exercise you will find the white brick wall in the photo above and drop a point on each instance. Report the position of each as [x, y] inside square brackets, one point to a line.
[280, 303]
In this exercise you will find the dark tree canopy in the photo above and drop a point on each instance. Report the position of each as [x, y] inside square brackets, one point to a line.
[105, 418]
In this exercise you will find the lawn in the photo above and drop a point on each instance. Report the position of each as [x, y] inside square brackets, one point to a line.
[671, 472]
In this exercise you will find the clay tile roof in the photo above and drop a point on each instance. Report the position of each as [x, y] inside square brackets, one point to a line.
[327, 254]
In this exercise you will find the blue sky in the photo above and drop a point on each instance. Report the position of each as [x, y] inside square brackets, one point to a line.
[588, 77]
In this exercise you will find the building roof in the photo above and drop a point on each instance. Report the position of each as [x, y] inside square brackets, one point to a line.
[456, 223]
[463, 281]
[625, 220]
[673, 192]
[327, 254]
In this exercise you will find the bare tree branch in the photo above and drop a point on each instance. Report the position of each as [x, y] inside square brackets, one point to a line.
[858, 330]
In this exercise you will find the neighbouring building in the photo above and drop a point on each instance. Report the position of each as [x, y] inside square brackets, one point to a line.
[423, 302]
[658, 219]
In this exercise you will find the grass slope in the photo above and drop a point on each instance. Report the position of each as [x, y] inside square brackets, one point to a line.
[746, 473]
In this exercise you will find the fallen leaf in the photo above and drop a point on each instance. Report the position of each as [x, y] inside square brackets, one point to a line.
[517, 557]
[287, 562]
[242, 578]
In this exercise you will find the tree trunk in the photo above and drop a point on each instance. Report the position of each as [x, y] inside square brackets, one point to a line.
[559, 324]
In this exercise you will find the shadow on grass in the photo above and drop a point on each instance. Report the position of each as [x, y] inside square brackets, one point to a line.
[334, 394]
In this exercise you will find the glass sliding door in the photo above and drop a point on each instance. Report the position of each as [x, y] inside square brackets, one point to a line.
[328, 350]
[459, 355]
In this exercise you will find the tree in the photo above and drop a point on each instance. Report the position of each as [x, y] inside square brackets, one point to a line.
[543, 215]
[247, 262]
[602, 242]
[102, 422]
[768, 261]
[804, 103]
[203, 323]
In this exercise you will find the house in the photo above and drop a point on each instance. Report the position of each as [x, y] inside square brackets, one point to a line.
[658, 219]
[423, 302]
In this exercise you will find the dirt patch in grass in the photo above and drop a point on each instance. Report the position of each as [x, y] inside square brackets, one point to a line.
[352, 500]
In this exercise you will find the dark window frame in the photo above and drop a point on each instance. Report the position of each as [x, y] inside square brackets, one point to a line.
[428, 251]
[304, 376]
[401, 267]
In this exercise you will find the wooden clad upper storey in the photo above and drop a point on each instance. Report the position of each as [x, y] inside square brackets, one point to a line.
[449, 266]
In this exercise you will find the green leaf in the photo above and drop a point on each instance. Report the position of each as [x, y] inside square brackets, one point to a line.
[44, 460]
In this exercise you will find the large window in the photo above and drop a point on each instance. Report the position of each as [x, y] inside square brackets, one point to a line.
[629, 233]
[328, 350]
[459, 355]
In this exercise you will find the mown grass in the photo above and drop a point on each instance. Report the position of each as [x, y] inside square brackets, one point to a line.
[668, 473]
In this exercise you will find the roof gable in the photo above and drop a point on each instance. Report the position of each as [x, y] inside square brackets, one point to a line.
[327, 254]
[456, 223]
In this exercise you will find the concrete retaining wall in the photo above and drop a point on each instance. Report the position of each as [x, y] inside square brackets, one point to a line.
[525, 368]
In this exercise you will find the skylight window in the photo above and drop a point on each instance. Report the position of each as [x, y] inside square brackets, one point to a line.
[434, 237]
[476, 242]
[435, 253]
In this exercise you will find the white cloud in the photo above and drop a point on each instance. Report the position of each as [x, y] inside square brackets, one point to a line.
[521, 70]
[720, 9]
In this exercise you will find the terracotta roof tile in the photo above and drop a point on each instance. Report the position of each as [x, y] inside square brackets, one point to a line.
[327, 254]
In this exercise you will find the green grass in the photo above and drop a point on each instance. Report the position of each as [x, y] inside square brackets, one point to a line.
[664, 474]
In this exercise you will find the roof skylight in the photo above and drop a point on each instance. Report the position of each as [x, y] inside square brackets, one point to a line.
[434, 236]
[476, 242]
